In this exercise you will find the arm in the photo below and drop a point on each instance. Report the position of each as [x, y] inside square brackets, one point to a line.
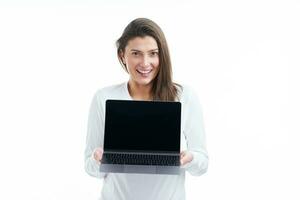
[195, 135]
[94, 139]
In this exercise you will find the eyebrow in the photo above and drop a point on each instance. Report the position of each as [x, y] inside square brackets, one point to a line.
[141, 51]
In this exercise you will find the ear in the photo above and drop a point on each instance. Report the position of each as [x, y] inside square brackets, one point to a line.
[122, 58]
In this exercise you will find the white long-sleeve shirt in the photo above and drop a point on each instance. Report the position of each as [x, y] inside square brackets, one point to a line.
[119, 186]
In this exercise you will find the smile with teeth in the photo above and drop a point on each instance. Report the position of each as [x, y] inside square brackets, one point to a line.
[144, 72]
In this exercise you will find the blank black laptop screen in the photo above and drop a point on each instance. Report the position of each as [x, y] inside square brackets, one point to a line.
[142, 126]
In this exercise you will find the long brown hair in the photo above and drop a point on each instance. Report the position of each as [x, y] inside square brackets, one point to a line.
[164, 89]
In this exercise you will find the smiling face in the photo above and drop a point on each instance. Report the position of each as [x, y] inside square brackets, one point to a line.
[141, 58]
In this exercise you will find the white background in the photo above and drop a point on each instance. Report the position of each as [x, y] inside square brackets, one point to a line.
[242, 58]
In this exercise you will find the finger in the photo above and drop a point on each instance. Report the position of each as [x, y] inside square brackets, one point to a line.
[182, 153]
[183, 160]
[100, 150]
[99, 154]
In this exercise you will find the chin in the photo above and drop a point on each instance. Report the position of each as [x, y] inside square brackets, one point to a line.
[144, 81]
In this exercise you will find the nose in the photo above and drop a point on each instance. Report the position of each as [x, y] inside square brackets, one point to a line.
[146, 61]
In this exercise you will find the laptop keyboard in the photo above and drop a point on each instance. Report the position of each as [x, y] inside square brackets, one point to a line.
[140, 159]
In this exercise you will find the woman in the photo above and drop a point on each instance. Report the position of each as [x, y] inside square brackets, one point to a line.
[144, 54]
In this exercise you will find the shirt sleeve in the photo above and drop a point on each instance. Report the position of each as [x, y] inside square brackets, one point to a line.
[195, 135]
[94, 139]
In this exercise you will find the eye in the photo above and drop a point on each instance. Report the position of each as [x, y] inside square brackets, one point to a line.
[135, 53]
[154, 53]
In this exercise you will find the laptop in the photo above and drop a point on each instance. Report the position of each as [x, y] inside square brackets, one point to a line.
[141, 137]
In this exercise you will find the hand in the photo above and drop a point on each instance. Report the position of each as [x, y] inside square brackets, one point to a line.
[185, 157]
[98, 152]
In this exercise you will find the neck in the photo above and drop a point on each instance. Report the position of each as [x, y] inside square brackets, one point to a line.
[140, 92]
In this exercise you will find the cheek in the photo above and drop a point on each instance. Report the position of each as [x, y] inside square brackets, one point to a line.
[132, 68]
[132, 62]
[130, 65]
[155, 62]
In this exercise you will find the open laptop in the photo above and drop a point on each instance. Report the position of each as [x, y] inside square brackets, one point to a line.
[141, 137]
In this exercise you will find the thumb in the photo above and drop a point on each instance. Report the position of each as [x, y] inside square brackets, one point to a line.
[182, 154]
[183, 160]
[100, 152]
[182, 157]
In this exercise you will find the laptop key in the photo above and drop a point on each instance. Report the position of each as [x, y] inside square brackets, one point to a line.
[142, 159]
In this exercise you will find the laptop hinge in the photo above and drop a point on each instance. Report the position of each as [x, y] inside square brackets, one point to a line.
[143, 153]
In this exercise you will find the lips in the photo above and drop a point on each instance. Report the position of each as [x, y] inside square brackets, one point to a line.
[144, 72]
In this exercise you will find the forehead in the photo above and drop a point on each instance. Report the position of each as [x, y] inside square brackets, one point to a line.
[142, 44]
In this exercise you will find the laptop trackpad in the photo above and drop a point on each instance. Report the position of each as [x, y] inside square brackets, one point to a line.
[140, 169]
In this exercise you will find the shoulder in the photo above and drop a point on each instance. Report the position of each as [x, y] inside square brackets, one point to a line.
[111, 90]
[186, 92]
[190, 101]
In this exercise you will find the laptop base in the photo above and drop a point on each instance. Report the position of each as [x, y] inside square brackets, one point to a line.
[140, 169]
